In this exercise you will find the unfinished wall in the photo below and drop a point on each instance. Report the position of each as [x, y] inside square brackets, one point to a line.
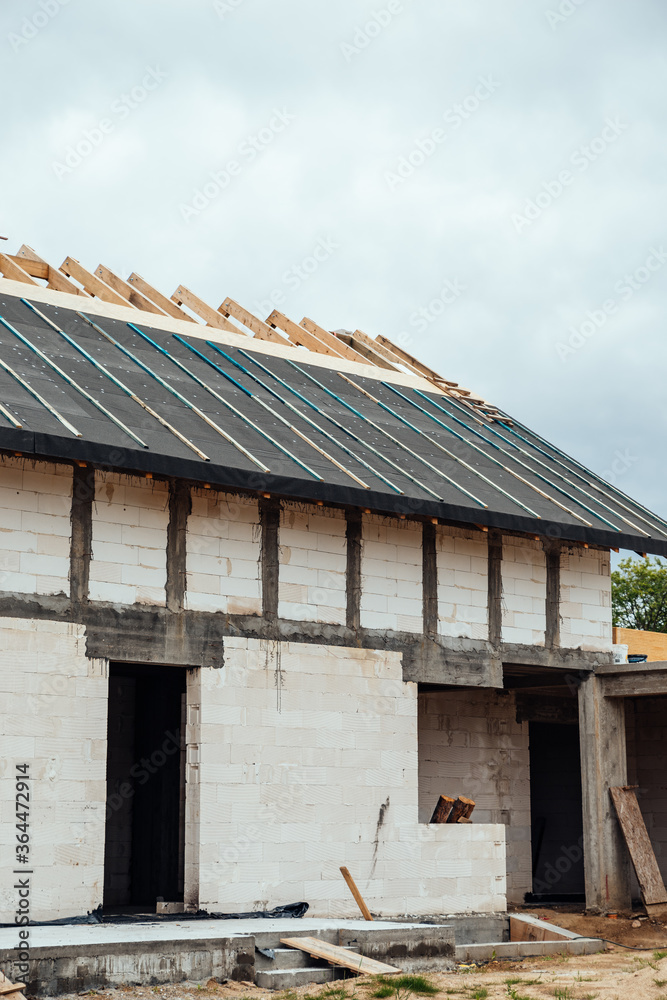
[313, 560]
[35, 504]
[463, 582]
[524, 576]
[129, 550]
[471, 744]
[308, 761]
[53, 716]
[391, 574]
[223, 552]
[646, 730]
[585, 593]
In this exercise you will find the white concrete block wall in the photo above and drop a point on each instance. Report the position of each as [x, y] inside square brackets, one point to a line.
[308, 758]
[313, 562]
[223, 554]
[391, 574]
[129, 549]
[524, 576]
[585, 595]
[463, 583]
[35, 528]
[53, 717]
[471, 744]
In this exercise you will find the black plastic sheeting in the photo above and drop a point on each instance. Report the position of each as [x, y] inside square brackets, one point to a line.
[289, 911]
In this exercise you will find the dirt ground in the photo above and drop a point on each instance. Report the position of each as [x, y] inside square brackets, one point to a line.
[615, 974]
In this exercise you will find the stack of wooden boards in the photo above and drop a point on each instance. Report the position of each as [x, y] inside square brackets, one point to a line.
[450, 810]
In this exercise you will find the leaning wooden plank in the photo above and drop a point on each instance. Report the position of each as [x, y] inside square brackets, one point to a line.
[14, 271]
[359, 899]
[92, 284]
[462, 810]
[328, 338]
[339, 956]
[231, 308]
[183, 296]
[54, 278]
[442, 810]
[165, 304]
[132, 295]
[639, 845]
[9, 990]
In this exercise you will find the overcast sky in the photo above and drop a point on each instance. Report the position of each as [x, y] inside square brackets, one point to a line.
[484, 181]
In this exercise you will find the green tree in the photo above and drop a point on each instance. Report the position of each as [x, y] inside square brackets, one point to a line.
[639, 595]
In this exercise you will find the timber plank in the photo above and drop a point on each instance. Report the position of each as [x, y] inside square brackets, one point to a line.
[339, 956]
[639, 845]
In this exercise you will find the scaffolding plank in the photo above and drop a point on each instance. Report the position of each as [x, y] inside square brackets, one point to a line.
[339, 956]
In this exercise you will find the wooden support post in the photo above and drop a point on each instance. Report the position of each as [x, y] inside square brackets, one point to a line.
[603, 765]
[351, 884]
[442, 809]
[180, 506]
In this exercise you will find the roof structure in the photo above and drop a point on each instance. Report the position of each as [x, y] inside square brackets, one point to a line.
[110, 372]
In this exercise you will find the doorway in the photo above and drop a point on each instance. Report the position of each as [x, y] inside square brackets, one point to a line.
[145, 815]
[556, 813]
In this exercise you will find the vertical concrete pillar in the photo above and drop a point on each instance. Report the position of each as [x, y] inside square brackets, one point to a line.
[192, 790]
[603, 764]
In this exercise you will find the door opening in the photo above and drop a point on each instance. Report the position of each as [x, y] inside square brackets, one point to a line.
[556, 814]
[145, 817]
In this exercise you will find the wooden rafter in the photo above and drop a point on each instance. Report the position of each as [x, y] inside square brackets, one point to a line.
[328, 338]
[132, 295]
[366, 350]
[183, 296]
[92, 284]
[166, 305]
[40, 268]
[231, 308]
[13, 271]
[382, 351]
[300, 337]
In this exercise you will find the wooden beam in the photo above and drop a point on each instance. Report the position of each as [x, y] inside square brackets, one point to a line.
[132, 295]
[411, 361]
[54, 278]
[442, 809]
[652, 887]
[183, 296]
[300, 337]
[92, 284]
[14, 271]
[165, 304]
[231, 308]
[380, 349]
[328, 338]
[368, 351]
[461, 810]
[339, 956]
[358, 898]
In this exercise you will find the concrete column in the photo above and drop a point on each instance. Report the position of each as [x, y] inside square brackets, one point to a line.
[603, 764]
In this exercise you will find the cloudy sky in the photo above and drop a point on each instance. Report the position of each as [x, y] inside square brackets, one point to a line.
[483, 180]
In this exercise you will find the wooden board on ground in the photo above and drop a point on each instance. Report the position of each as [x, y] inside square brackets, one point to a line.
[641, 850]
[339, 956]
[9, 990]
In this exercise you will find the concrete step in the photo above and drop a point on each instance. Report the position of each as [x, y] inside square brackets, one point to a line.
[285, 958]
[288, 979]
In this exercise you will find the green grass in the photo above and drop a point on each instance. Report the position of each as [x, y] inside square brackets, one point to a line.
[403, 986]
[658, 955]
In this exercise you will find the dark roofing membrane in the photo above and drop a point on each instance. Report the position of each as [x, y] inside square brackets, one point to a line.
[241, 419]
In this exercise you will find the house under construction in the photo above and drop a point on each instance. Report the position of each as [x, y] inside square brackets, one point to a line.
[268, 591]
